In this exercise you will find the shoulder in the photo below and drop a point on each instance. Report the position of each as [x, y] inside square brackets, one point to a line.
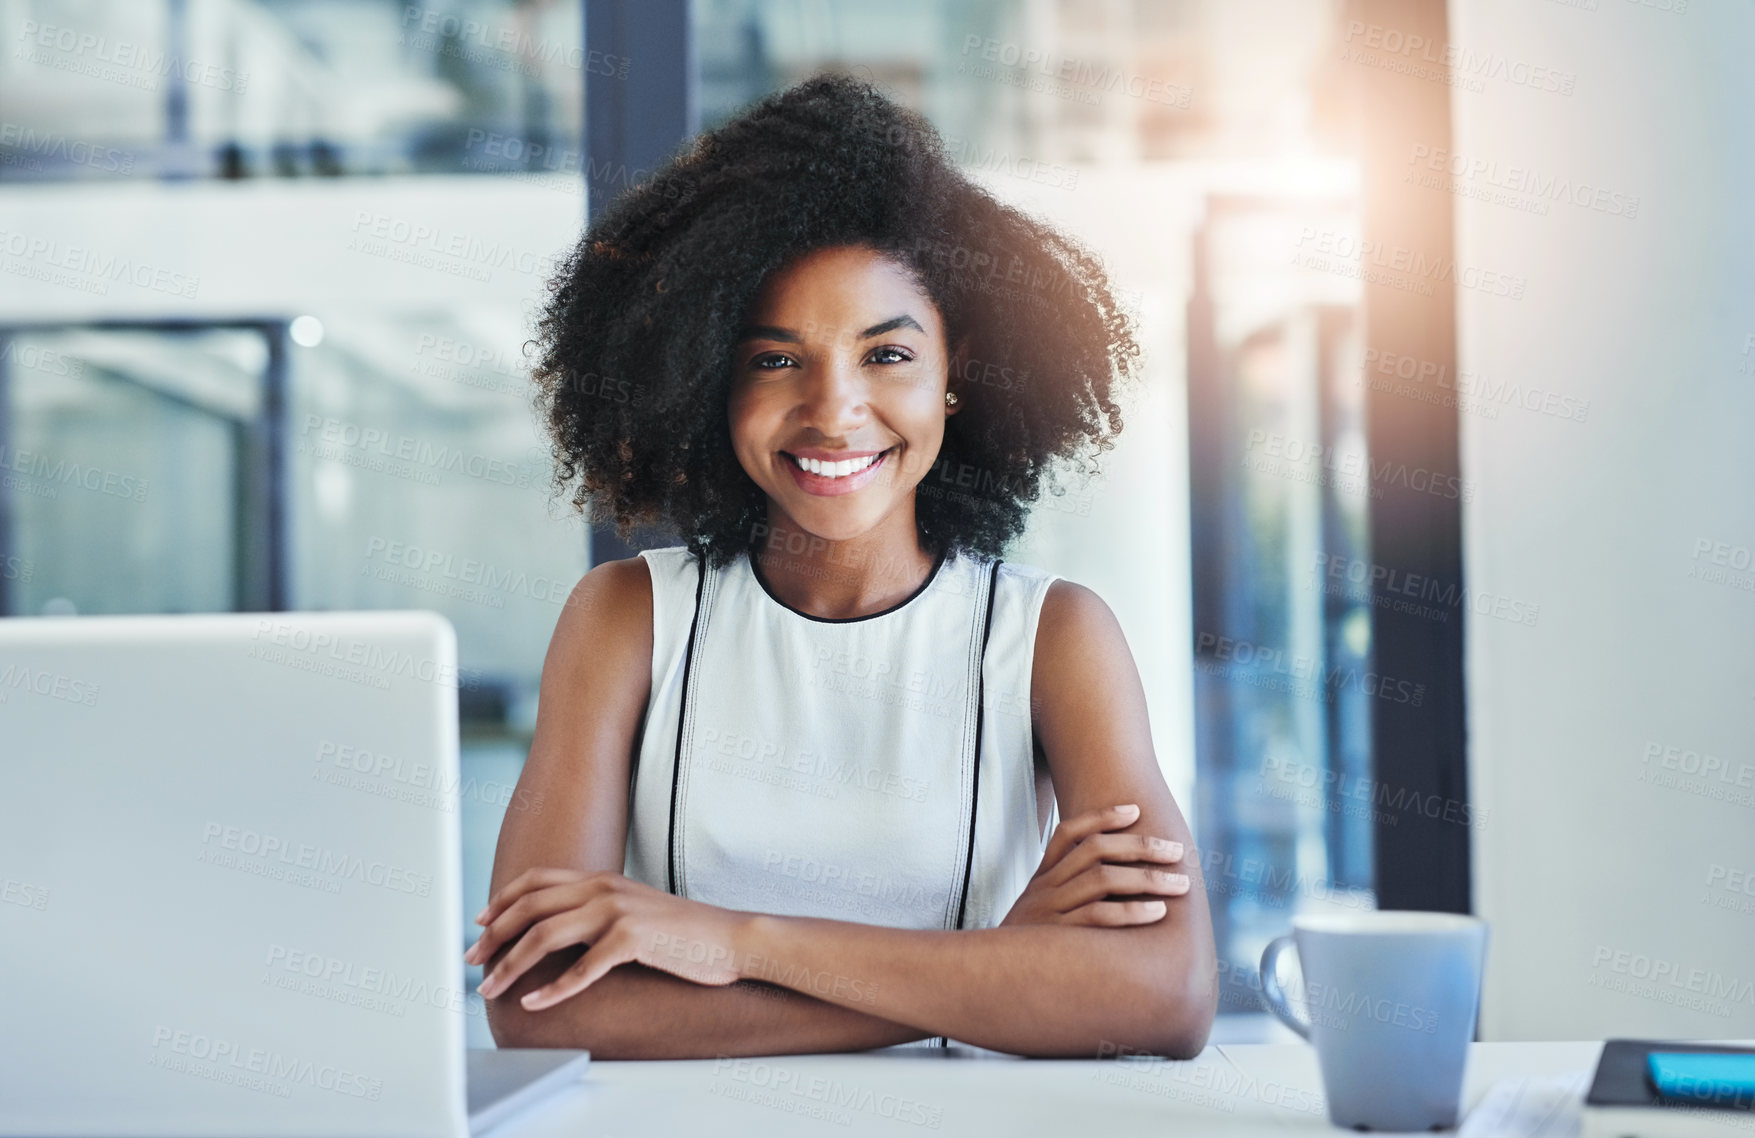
[613, 585]
[636, 581]
[1085, 690]
[610, 609]
[1076, 631]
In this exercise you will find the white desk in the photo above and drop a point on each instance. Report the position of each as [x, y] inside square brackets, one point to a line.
[1233, 1089]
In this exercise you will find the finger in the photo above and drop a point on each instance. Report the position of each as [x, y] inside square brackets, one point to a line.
[1116, 914]
[523, 913]
[1072, 831]
[557, 932]
[1114, 848]
[1102, 881]
[586, 971]
[536, 877]
[590, 922]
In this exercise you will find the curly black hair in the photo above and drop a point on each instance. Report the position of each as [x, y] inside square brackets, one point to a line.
[635, 342]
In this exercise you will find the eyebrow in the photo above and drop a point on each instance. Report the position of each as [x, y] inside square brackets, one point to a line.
[787, 335]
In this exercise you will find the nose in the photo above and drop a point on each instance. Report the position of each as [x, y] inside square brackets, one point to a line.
[833, 399]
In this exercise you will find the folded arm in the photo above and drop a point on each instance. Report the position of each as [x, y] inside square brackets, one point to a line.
[595, 684]
[637, 1012]
[1031, 988]
[1043, 989]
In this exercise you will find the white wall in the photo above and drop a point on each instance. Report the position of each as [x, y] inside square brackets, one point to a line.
[1601, 862]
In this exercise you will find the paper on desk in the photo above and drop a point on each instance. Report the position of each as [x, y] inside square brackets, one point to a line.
[1547, 1107]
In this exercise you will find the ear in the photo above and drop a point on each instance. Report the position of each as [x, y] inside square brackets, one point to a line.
[954, 379]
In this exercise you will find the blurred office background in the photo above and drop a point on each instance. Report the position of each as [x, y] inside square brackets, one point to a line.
[1405, 276]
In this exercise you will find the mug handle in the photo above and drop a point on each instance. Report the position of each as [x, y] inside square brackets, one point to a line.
[1271, 993]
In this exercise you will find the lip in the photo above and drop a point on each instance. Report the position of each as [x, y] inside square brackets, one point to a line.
[833, 487]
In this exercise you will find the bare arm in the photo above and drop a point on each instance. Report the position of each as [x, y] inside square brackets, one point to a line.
[1045, 989]
[595, 685]
[1037, 987]
[637, 1012]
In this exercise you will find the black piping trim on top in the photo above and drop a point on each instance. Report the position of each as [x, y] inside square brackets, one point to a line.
[975, 783]
[681, 717]
[756, 572]
[980, 714]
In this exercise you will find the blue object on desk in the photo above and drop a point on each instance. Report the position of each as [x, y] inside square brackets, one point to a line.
[1723, 1080]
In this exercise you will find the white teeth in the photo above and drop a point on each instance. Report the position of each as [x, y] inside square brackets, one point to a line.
[836, 469]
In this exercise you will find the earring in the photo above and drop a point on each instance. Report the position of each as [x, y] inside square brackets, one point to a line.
[950, 399]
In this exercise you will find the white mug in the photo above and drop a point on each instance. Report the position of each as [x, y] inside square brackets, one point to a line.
[1392, 998]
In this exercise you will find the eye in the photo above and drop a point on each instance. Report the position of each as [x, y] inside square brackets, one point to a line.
[773, 361]
[889, 356]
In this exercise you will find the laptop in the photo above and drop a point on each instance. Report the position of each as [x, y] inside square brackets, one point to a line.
[230, 882]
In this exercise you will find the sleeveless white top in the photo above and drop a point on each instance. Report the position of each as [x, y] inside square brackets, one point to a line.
[875, 769]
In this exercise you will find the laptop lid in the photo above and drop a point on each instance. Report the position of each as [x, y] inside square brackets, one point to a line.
[229, 876]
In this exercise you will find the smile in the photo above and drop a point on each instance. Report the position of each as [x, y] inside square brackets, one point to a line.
[841, 476]
[834, 469]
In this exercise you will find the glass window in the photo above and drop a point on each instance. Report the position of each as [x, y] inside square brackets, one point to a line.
[1282, 636]
[286, 88]
[419, 480]
[122, 467]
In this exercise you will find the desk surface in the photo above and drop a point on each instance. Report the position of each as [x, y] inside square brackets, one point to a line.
[1230, 1089]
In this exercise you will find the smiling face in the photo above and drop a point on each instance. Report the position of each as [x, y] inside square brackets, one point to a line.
[838, 393]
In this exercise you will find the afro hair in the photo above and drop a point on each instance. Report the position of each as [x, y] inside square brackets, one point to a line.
[633, 366]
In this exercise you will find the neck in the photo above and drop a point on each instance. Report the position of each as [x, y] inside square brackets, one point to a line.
[837, 580]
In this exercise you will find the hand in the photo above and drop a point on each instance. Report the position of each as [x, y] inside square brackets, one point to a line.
[1083, 867]
[620, 920]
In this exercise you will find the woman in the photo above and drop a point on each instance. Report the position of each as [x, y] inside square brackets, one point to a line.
[797, 774]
